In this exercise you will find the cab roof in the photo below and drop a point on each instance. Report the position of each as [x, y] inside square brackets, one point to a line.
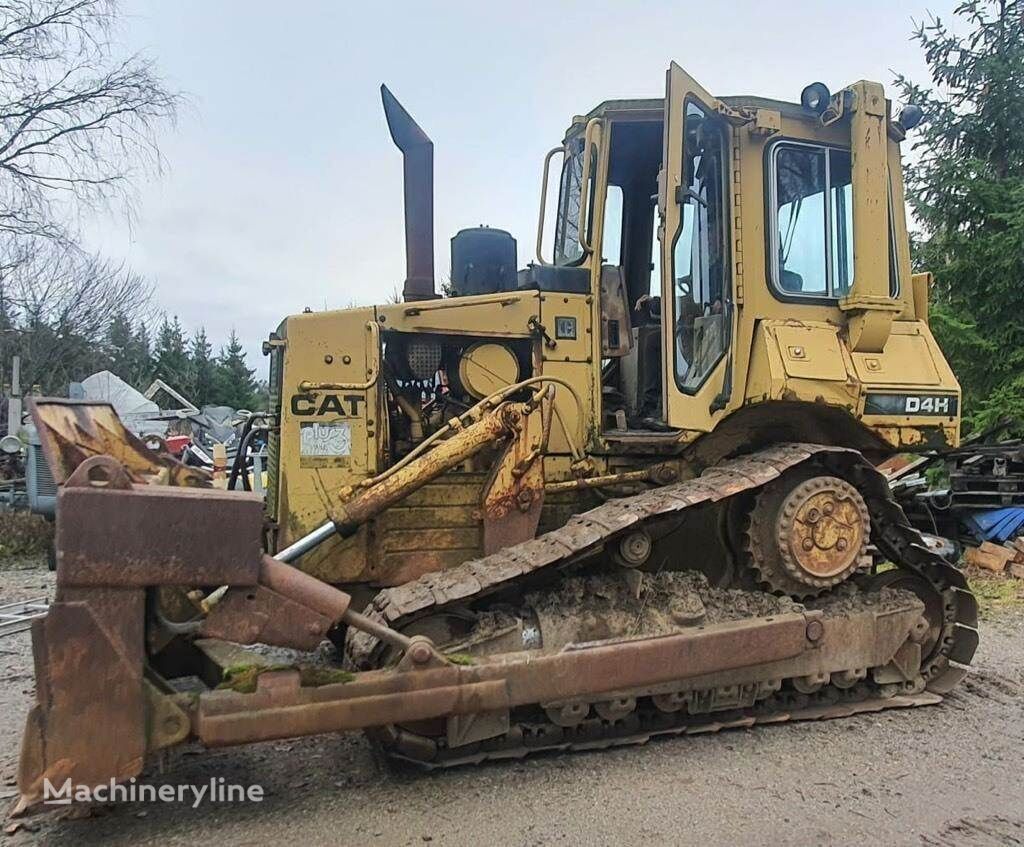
[653, 107]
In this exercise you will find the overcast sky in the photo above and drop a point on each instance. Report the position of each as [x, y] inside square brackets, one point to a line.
[283, 189]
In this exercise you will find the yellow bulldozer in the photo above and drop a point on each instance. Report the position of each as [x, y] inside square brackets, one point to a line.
[629, 490]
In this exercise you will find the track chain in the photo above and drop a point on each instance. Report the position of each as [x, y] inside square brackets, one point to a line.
[530, 736]
[587, 535]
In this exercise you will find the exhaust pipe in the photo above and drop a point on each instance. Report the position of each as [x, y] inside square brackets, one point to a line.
[418, 157]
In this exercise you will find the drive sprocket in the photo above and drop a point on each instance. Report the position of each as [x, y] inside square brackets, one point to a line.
[807, 532]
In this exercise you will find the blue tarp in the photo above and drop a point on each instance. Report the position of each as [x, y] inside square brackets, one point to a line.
[998, 524]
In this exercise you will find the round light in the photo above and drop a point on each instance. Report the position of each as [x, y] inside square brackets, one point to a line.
[10, 444]
[910, 117]
[815, 97]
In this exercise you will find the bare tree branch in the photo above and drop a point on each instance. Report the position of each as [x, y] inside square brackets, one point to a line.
[58, 304]
[78, 123]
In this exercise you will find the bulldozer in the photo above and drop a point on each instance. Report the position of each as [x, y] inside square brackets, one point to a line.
[625, 491]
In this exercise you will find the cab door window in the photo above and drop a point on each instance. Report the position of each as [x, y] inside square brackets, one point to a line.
[699, 256]
[568, 250]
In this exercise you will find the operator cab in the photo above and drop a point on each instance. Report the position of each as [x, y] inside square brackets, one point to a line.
[634, 327]
[654, 199]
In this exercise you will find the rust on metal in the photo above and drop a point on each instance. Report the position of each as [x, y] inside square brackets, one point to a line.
[71, 431]
[152, 535]
[113, 540]
[590, 533]
[277, 709]
[384, 697]
[89, 721]
[514, 493]
[256, 614]
[304, 589]
[807, 535]
[487, 432]
[823, 528]
[584, 535]
[373, 627]
[657, 474]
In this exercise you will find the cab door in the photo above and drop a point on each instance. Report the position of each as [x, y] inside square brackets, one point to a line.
[696, 285]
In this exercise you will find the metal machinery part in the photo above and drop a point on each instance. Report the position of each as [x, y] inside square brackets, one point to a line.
[807, 532]
[423, 355]
[941, 613]
[727, 589]
[485, 368]
[557, 679]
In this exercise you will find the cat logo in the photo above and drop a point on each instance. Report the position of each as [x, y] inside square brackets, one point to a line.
[343, 405]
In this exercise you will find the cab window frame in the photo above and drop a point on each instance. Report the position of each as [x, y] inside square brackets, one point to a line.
[772, 262]
[728, 294]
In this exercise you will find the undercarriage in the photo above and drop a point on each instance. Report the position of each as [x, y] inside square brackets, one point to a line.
[607, 590]
[611, 629]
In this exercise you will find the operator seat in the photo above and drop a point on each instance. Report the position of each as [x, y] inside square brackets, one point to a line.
[791, 281]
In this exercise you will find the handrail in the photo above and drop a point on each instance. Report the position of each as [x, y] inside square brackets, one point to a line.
[457, 303]
[544, 200]
[373, 376]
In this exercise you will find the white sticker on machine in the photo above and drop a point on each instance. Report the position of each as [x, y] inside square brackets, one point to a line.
[325, 439]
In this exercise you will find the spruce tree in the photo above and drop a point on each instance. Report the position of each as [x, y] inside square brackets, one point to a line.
[202, 369]
[235, 384]
[119, 347]
[965, 185]
[141, 358]
[170, 357]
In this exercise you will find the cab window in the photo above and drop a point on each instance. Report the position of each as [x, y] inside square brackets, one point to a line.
[699, 255]
[568, 250]
[812, 222]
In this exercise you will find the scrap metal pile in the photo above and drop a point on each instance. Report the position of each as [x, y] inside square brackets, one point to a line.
[979, 495]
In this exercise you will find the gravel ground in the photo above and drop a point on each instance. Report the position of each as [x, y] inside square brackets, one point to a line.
[944, 775]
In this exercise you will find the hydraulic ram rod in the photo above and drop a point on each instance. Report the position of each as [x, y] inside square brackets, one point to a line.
[450, 453]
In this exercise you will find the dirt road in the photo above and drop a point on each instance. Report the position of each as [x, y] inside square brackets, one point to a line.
[945, 775]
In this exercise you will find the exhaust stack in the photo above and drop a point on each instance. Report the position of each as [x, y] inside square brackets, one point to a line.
[418, 158]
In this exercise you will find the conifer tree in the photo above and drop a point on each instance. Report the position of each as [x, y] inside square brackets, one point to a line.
[965, 185]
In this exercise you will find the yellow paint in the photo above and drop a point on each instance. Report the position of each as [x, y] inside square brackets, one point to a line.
[486, 368]
[822, 353]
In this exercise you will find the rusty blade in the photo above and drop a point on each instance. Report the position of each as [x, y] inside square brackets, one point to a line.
[89, 722]
[163, 536]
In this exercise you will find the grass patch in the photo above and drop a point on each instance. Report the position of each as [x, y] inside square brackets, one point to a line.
[460, 658]
[995, 592]
[313, 676]
[243, 678]
[24, 534]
